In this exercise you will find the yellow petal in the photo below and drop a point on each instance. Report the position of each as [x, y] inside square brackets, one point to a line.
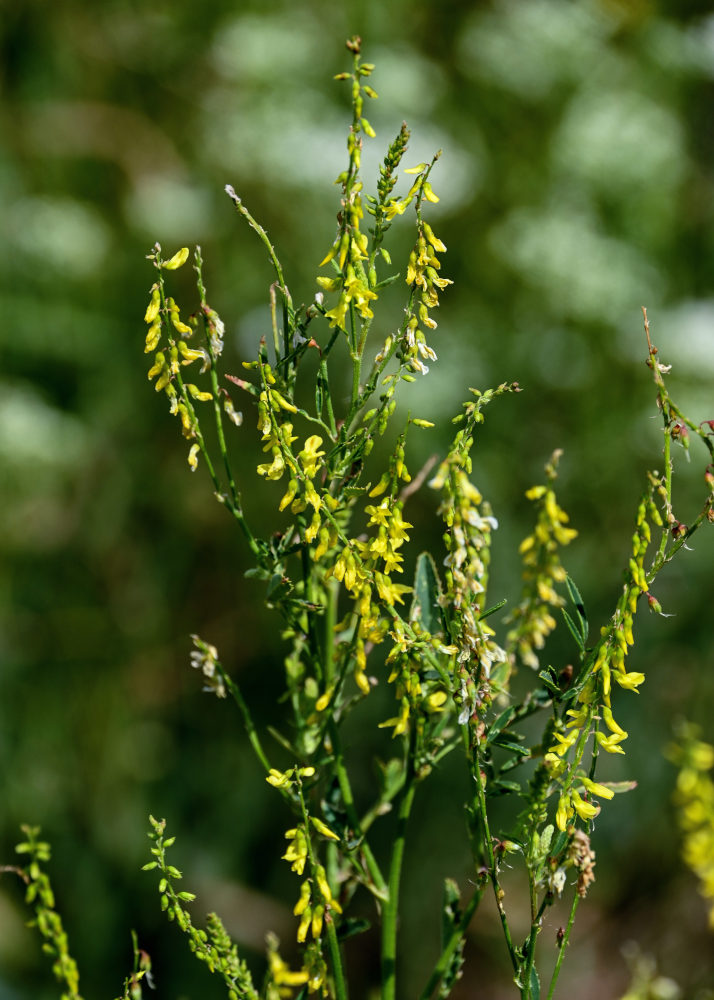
[177, 260]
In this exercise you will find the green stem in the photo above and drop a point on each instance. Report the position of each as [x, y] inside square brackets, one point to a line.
[451, 945]
[328, 399]
[563, 945]
[334, 945]
[257, 228]
[492, 866]
[332, 942]
[391, 907]
[338, 762]
[247, 717]
[530, 959]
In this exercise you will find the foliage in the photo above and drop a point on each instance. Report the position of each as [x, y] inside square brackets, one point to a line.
[334, 586]
[330, 573]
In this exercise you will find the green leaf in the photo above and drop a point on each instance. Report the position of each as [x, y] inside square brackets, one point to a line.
[283, 741]
[560, 841]
[620, 786]
[257, 572]
[514, 748]
[501, 787]
[450, 912]
[391, 777]
[547, 676]
[495, 607]
[500, 723]
[579, 607]
[427, 590]
[352, 926]
[546, 839]
[534, 984]
[573, 630]
[387, 281]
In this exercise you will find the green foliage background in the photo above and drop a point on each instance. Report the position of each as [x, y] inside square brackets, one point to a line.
[576, 185]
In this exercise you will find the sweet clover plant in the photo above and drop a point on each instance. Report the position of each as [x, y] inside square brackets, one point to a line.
[333, 568]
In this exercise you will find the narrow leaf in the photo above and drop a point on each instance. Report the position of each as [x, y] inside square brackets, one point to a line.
[575, 632]
[500, 723]
[579, 606]
[490, 611]
[534, 984]
[427, 591]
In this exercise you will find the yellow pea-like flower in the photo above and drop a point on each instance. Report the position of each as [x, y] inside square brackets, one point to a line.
[178, 260]
[152, 310]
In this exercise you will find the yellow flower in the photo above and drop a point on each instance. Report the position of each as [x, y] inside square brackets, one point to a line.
[281, 974]
[304, 900]
[611, 724]
[586, 810]
[313, 528]
[289, 495]
[324, 887]
[309, 457]
[595, 788]
[158, 366]
[337, 314]
[631, 680]
[178, 260]
[610, 743]
[278, 779]
[274, 469]
[152, 310]
[188, 354]
[562, 813]
[401, 722]
[296, 853]
[436, 701]
[153, 336]
[564, 742]
[323, 828]
[390, 593]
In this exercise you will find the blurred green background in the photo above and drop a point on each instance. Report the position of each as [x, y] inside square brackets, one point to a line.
[576, 185]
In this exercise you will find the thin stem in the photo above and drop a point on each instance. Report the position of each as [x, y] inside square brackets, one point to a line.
[338, 762]
[256, 227]
[530, 959]
[391, 907]
[247, 717]
[334, 945]
[563, 945]
[451, 945]
[492, 867]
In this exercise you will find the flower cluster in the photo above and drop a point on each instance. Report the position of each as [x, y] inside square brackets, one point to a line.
[163, 316]
[205, 658]
[283, 981]
[331, 573]
[542, 571]
[412, 690]
[365, 566]
[423, 277]
[277, 438]
[349, 251]
[467, 540]
[593, 703]
[316, 900]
